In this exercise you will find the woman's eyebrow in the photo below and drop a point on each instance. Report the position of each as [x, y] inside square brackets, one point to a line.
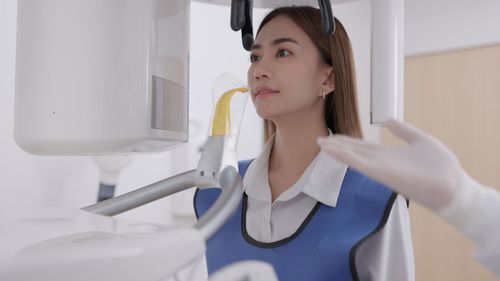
[275, 42]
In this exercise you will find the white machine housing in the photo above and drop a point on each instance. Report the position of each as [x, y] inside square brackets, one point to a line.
[96, 77]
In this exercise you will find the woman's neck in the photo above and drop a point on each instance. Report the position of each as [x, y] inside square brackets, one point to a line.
[294, 148]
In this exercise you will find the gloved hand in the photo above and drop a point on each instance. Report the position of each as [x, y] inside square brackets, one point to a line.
[424, 170]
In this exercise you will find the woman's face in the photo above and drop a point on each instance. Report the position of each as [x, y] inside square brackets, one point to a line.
[286, 75]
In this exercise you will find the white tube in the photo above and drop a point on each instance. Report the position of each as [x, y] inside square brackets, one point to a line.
[387, 60]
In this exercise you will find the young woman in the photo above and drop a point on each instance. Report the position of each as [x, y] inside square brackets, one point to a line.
[310, 216]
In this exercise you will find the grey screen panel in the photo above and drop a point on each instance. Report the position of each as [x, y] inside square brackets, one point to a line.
[169, 106]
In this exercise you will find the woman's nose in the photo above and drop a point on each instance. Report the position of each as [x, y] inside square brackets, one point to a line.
[261, 70]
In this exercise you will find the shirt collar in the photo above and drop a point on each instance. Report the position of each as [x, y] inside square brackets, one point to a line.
[325, 180]
[321, 180]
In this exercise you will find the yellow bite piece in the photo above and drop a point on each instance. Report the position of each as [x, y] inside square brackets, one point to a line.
[221, 125]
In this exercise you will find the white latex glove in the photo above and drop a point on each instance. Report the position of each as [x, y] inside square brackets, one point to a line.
[424, 170]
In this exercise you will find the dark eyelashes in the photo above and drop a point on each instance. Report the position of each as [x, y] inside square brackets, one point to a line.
[254, 57]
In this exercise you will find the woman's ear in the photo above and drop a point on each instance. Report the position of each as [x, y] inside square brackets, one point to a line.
[329, 82]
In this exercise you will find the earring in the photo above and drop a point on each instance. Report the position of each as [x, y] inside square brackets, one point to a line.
[323, 94]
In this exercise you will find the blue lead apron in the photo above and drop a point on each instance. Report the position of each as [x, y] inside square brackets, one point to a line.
[323, 248]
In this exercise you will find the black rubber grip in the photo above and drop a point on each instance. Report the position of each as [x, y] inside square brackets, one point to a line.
[327, 19]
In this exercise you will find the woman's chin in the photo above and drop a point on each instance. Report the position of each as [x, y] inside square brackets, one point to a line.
[272, 116]
[265, 114]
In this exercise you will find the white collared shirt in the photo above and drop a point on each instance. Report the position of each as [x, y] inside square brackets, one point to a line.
[388, 255]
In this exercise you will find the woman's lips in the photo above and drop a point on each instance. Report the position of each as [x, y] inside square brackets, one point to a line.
[266, 93]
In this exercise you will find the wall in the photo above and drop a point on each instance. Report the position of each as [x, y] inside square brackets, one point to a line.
[447, 25]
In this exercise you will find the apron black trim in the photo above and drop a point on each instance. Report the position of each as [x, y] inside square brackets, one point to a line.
[278, 243]
[383, 221]
[254, 242]
[194, 203]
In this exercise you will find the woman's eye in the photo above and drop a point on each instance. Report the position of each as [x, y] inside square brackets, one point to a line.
[283, 53]
[254, 58]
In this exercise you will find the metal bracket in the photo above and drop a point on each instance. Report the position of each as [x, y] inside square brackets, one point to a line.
[241, 19]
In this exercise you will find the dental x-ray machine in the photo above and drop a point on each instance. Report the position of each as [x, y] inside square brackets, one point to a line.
[100, 77]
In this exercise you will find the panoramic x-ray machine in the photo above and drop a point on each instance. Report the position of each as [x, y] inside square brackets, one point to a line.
[100, 77]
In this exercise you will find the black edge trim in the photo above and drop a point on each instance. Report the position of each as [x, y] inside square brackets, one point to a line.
[194, 203]
[383, 221]
[276, 243]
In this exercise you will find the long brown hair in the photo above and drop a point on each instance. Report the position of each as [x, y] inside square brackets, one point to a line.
[341, 105]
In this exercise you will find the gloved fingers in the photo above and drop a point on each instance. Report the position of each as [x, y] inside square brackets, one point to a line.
[352, 151]
[357, 145]
[345, 154]
[371, 161]
[404, 131]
